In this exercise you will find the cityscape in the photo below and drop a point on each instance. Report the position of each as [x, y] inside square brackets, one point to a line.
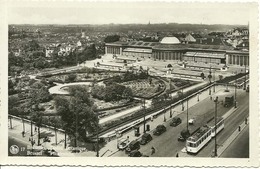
[128, 90]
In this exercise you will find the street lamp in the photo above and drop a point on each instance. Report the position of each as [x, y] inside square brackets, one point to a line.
[210, 76]
[182, 95]
[171, 111]
[214, 87]
[97, 141]
[235, 92]
[245, 79]
[198, 97]
[144, 113]
[187, 114]
[215, 128]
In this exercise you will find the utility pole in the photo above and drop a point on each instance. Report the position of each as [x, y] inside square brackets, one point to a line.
[210, 76]
[245, 79]
[65, 141]
[187, 114]
[144, 114]
[171, 99]
[76, 134]
[236, 92]
[214, 87]
[182, 95]
[97, 141]
[215, 128]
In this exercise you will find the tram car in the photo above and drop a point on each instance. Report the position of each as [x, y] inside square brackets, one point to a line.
[205, 133]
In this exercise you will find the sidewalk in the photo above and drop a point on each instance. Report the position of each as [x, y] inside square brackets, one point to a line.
[234, 135]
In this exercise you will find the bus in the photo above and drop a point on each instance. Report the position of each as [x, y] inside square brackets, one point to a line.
[203, 135]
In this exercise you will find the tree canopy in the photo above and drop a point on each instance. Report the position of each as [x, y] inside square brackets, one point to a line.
[77, 112]
[111, 38]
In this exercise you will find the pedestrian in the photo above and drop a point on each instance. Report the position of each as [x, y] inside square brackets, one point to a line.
[153, 150]
[23, 133]
[177, 155]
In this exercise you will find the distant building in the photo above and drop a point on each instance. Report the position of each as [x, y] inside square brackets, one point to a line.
[171, 48]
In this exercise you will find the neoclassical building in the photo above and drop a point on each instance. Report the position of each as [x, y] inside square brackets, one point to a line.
[170, 48]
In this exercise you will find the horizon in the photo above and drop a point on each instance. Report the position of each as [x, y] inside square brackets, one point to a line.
[82, 24]
[98, 13]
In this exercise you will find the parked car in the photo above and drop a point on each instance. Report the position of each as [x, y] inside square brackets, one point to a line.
[94, 140]
[191, 121]
[159, 130]
[133, 145]
[175, 121]
[123, 143]
[135, 153]
[146, 138]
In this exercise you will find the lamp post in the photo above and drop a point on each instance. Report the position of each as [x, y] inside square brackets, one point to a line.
[171, 99]
[171, 111]
[245, 79]
[235, 93]
[198, 97]
[215, 128]
[97, 141]
[144, 114]
[214, 87]
[210, 76]
[187, 114]
[182, 99]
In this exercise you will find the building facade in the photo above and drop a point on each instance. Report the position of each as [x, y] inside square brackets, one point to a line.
[172, 49]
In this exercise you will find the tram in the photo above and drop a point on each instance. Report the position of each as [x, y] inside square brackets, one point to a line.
[205, 133]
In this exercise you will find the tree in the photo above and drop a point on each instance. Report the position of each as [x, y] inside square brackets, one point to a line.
[128, 93]
[111, 38]
[12, 106]
[36, 116]
[77, 113]
[39, 93]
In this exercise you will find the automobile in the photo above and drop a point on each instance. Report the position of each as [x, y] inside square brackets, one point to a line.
[135, 153]
[182, 139]
[191, 121]
[159, 130]
[94, 140]
[123, 143]
[133, 145]
[184, 135]
[175, 121]
[146, 138]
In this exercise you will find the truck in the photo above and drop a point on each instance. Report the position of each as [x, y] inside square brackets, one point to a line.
[229, 101]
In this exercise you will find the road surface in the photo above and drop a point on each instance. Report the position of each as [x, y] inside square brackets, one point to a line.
[239, 148]
[167, 145]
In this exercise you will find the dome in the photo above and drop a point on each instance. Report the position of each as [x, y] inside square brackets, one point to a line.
[170, 40]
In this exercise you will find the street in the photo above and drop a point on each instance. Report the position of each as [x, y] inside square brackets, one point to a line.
[239, 148]
[167, 145]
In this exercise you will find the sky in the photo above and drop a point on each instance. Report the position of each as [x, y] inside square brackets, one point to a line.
[127, 13]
